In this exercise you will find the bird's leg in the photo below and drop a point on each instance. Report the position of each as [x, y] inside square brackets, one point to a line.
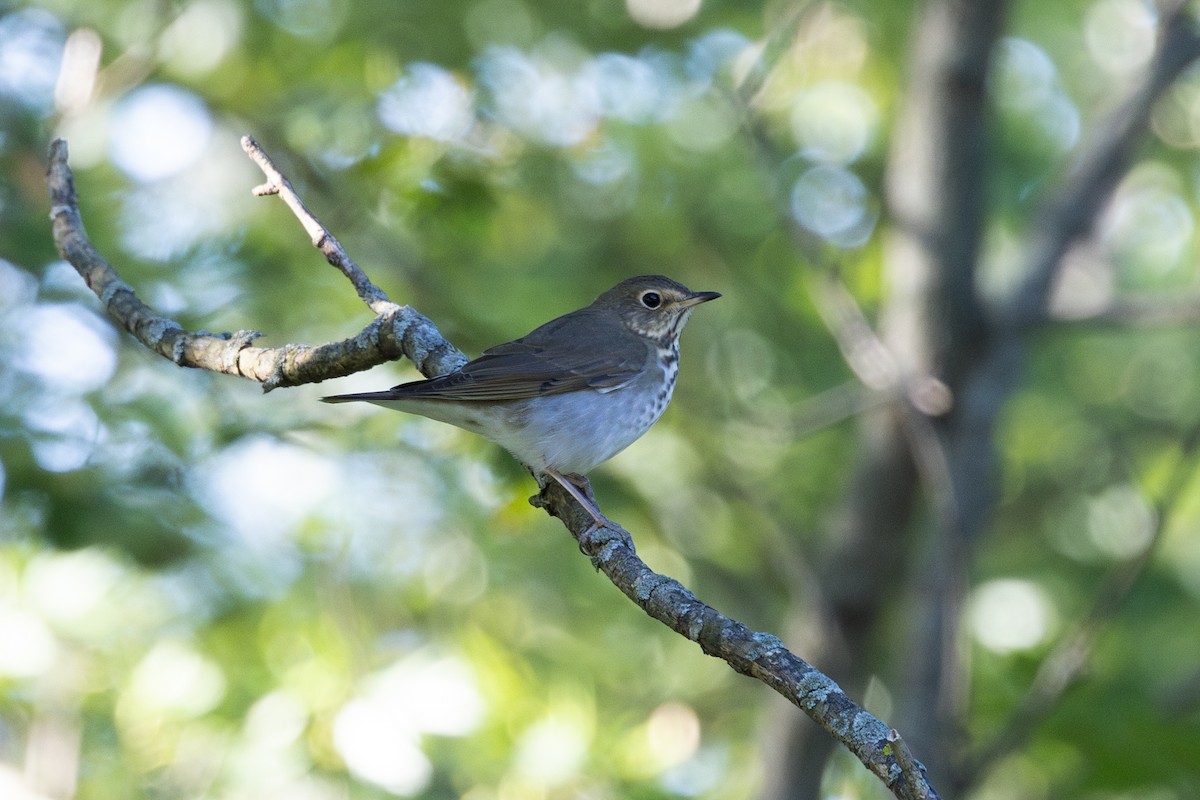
[582, 492]
[577, 491]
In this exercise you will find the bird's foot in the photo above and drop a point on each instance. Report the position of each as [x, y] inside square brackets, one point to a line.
[602, 531]
[599, 536]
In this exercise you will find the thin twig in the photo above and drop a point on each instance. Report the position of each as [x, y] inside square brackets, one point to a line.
[320, 236]
[865, 353]
[780, 37]
[921, 397]
[1139, 312]
[832, 406]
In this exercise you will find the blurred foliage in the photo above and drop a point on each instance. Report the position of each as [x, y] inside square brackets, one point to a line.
[205, 591]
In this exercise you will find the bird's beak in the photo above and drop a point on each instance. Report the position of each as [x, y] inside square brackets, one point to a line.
[696, 298]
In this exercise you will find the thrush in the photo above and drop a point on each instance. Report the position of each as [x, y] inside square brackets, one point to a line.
[572, 393]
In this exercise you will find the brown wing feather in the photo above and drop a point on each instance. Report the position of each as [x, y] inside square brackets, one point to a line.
[552, 359]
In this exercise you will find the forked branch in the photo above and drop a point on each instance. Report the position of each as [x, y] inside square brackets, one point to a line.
[397, 330]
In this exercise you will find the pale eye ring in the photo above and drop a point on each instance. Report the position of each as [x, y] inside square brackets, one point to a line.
[651, 299]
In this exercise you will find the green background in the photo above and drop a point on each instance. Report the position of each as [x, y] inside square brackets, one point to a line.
[210, 592]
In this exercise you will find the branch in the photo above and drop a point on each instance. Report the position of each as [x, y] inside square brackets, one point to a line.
[758, 655]
[781, 35]
[920, 398]
[936, 191]
[321, 238]
[868, 357]
[1070, 215]
[397, 330]
[1138, 312]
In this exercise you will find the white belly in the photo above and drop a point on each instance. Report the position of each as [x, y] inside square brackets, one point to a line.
[576, 432]
[571, 432]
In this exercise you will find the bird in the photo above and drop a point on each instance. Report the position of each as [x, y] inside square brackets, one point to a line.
[570, 394]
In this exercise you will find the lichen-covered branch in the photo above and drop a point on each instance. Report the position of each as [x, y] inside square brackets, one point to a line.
[759, 655]
[397, 331]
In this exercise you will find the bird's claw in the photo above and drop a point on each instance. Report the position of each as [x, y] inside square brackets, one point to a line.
[599, 536]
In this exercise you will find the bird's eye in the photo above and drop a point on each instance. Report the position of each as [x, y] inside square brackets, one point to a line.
[651, 300]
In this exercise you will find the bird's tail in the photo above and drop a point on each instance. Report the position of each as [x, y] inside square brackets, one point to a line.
[366, 397]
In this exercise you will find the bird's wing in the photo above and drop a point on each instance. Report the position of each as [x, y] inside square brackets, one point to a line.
[553, 359]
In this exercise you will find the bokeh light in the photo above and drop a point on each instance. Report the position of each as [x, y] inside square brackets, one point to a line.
[673, 734]
[551, 750]
[379, 748]
[627, 88]
[1120, 34]
[1176, 118]
[662, 13]
[1149, 229]
[1119, 522]
[158, 130]
[80, 64]
[427, 101]
[84, 366]
[1025, 78]
[697, 775]
[379, 732]
[75, 591]
[288, 484]
[1025, 82]
[538, 96]
[833, 202]
[202, 35]
[1010, 614]
[30, 648]
[31, 45]
[173, 678]
[64, 433]
[834, 122]
[703, 124]
[310, 19]
[714, 54]
[165, 219]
